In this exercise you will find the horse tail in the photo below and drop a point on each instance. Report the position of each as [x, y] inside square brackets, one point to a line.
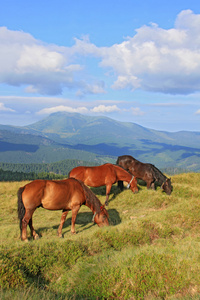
[21, 207]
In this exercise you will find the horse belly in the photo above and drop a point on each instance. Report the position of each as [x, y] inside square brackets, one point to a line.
[94, 182]
[55, 204]
[56, 201]
[62, 200]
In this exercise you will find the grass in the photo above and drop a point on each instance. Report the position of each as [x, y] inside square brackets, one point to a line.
[151, 250]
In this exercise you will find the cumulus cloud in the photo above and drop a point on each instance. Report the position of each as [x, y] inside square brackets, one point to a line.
[44, 69]
[91, 89]
[136, 111]
[82, 110]
[154, 59]
[3, 108]
[104, 108]
[62, 108]
[197, 112]
[157, 59]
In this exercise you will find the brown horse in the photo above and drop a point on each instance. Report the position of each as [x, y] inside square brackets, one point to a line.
[65, 195]
[106, 174]
[146, 172]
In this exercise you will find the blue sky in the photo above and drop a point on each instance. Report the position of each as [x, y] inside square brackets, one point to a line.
[133, 61]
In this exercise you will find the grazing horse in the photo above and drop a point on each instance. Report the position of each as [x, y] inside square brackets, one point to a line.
[65, 195]
[106, 174]
[146, 172]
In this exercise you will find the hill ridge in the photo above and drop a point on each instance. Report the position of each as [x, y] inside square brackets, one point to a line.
[65, 135]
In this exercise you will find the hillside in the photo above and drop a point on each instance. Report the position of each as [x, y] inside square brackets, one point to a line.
[149, 251]
[63, 136]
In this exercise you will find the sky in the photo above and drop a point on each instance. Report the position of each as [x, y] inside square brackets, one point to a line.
[130, 60]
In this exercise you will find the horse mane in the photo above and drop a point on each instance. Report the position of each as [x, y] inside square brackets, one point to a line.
[160, 177]
[127, 157]
[91, 198]
[122, 168]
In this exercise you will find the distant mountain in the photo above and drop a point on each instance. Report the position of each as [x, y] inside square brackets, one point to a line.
[74, 136]
[76, 128]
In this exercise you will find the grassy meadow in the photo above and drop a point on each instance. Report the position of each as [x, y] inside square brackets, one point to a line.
[151, 250]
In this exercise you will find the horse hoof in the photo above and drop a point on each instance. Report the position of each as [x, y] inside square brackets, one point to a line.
[73, 232]
[60, 235]
[36, 237]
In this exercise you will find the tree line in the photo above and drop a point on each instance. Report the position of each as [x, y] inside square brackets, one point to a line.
[21, 176]
[57, 170]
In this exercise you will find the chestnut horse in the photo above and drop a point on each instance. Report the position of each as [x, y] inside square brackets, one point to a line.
[106, 174]
[65, 195]
[146, 172]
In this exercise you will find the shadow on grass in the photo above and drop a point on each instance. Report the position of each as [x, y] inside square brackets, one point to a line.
[115, 191]
[82, 219]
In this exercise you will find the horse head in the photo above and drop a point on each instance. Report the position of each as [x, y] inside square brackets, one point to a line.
[167, 187]
[101, 219]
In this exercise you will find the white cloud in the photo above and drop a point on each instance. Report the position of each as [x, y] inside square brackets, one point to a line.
[136, 111]
[104, 108]
[62, 108]
[3, 108]
[197, 112]
[91, 89]
[44, 69]
[157, 59]
[154, 59]
[80, 109]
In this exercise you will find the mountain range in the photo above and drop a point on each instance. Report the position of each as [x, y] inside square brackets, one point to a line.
[63, 136]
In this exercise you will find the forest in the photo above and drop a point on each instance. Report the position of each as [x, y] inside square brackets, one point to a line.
[19, 172]
[57, 170]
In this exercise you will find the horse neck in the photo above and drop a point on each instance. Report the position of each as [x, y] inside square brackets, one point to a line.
[159, 175]
[92, 202]
[95, 207]
[123, 175]
[91, 199]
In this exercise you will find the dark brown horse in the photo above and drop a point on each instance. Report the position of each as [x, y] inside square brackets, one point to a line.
[146, 172]
[65, 195]
[106, 174]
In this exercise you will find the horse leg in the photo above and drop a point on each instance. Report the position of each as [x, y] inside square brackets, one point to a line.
[25, 222]
[33, 232]
[62, 221]
[153, 186]
[148, 184]
[120, 185]
[75, 210]
[108, 188]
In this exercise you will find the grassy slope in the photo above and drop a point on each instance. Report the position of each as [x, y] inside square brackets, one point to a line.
[151, 250]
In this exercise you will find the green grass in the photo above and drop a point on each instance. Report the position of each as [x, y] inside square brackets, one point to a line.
[151, 250]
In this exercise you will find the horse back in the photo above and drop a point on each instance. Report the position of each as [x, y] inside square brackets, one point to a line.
[125, 161]
[94, 176]
[78, 173]
[138, 169]
[53, 195]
